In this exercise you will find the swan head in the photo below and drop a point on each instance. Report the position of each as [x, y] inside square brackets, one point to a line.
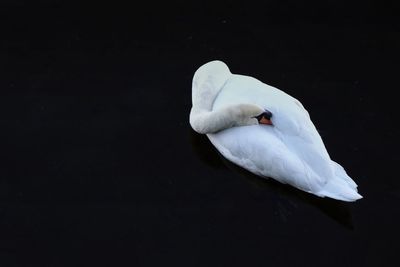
[249, 114]
[228, 117]
[208, 81]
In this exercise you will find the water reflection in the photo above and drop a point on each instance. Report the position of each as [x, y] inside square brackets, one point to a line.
[287, 197]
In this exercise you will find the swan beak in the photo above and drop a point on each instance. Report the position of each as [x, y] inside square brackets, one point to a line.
[265, 118]
[266, 121]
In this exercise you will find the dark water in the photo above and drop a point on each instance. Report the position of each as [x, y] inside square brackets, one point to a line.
[100, 165]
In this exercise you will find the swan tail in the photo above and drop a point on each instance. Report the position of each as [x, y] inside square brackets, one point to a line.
[340, 190]
[341, 173]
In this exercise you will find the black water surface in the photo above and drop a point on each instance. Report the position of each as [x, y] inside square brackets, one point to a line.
[99, 163]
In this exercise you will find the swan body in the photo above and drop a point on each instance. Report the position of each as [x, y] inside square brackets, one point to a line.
[291, 151]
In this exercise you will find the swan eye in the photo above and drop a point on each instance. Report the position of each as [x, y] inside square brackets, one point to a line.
[265, 118]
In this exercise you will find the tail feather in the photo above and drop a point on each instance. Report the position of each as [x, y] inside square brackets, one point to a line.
[339, 189]
[341, 173]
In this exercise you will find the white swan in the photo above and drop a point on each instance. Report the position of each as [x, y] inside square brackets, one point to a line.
[265, 131]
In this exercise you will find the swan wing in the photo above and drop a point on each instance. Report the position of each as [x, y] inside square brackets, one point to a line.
[291, 151]
[259, 150]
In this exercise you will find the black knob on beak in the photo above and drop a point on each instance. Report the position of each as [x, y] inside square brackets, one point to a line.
[265, 117]
[267, 114]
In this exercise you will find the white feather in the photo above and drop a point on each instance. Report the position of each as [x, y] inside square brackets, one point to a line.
[291, 151]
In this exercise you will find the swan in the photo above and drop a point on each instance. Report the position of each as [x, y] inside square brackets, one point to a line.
[265, 131]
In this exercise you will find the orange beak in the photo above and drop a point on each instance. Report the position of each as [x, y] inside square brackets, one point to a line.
[265, 121]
